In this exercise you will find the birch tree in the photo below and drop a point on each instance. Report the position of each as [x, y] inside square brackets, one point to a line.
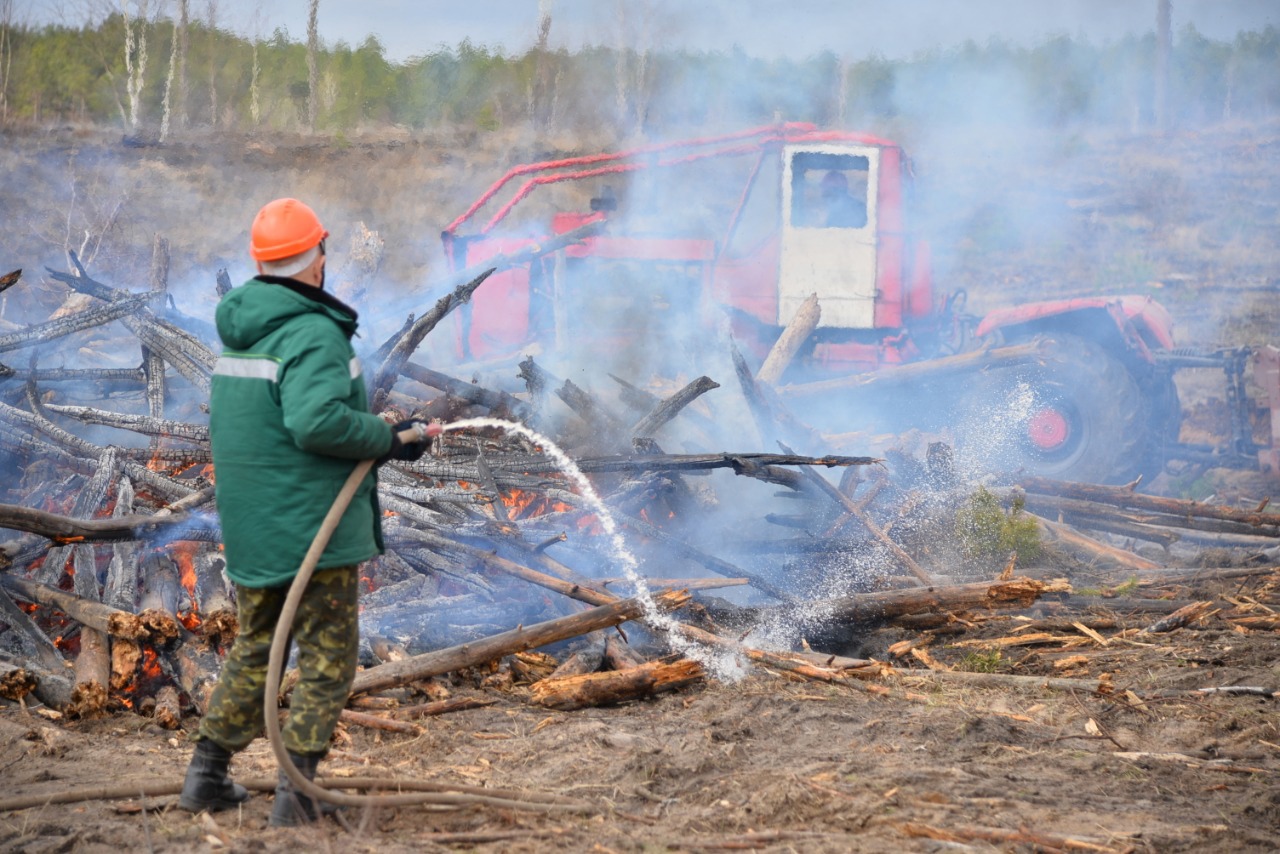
[168, 82]
[6, 56]
[135, 58]
[541, 85]
[183, 40]
[635, 34]
[313, 72]
[211, 19]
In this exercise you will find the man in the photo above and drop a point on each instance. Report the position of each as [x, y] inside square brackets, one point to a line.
[289, 418]
[840, 208]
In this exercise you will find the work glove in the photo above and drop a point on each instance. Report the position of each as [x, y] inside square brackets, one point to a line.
[409, 451]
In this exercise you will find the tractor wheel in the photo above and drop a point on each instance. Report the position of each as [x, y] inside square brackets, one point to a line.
[1080, 416]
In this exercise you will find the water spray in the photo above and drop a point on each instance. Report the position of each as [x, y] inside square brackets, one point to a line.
[723, 663]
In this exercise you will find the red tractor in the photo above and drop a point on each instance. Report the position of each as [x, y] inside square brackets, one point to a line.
[738, 230]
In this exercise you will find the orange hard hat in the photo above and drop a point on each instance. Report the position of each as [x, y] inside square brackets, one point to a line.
[284, 228]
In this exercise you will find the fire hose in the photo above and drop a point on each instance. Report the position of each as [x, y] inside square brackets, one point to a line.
[275, 668]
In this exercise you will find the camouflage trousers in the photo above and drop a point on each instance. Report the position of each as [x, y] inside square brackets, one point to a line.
[326, 630]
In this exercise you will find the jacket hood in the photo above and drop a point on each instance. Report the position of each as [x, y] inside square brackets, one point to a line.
[263, 304]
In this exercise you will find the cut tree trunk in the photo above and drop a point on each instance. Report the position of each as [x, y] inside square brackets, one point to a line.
[615, 686]
[790, 341]
[95, 615]
[1091, 549]
[93, 675]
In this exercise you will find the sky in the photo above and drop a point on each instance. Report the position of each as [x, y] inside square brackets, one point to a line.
[766, 28]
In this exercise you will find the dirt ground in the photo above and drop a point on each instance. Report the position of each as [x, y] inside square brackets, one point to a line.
[906, 763]
[909, 762]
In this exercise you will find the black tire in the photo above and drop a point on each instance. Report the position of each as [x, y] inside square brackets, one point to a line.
[1081, 416]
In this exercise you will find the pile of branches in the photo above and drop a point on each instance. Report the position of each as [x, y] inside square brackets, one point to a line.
[114, 595]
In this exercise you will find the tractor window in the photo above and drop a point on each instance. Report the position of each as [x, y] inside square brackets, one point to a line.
[828, 190]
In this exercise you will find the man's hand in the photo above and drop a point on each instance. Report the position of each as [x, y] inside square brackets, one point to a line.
[413, 450]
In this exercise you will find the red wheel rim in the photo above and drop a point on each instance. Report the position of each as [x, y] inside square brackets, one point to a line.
[1048, 429]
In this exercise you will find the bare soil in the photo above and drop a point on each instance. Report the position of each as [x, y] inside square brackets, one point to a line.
[768, 763]
[906, 763]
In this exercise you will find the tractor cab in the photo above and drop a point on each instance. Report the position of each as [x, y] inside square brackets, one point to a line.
[746, 226]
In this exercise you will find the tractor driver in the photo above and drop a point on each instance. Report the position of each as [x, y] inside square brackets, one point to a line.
[839, 208]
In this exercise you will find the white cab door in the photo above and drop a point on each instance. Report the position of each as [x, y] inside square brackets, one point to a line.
[828, 233]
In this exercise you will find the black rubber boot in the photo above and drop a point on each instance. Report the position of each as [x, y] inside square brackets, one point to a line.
[292, 807]
[207, 786]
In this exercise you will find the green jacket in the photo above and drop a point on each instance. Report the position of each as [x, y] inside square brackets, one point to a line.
[288, 420]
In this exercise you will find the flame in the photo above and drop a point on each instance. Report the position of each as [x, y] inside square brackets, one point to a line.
[184, 554]
[523, 504]
[150, 668]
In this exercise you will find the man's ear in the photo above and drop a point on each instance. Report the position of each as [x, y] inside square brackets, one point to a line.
[259, 266]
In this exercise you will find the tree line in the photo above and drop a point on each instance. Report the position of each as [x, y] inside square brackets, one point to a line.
[157, 76]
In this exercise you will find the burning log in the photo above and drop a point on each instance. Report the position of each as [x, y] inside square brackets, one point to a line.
[144, 424]
[771, 417]
[69, 324]
[167, 709]
[95, 615]
[495, 401]
[617, 686]
[219, 622]
[24, 420]
[519, 639]
[596, 415]
[644, 402]
[196, 667]
[51, 687]
[121, 588]
[671, 407]
[15, 682]
[159, 606]
[133, 527]
[109, 376]
[398, 353]
[93, 675]
[37, 645]
[126, 658]
[189, 356]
